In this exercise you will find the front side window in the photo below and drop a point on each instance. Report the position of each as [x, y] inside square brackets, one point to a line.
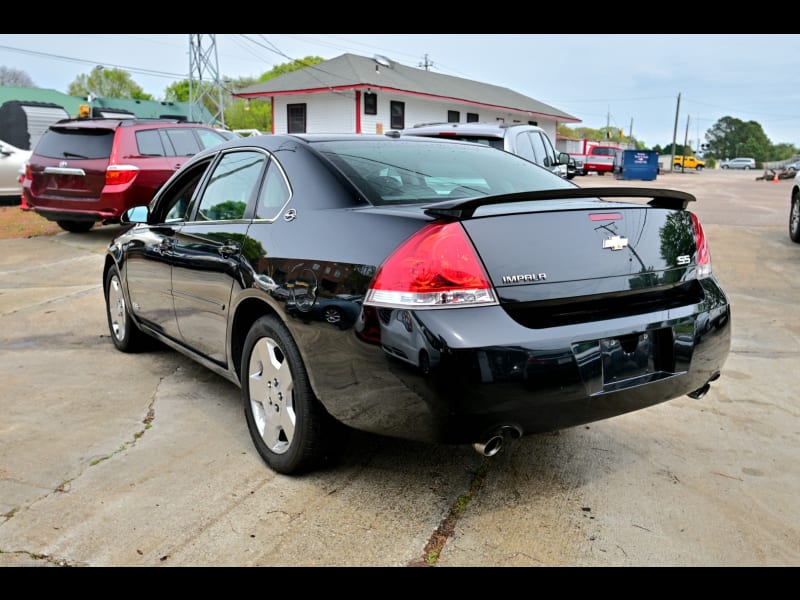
[296, 118]
[231, 186]
[183, 141]
[209, 138]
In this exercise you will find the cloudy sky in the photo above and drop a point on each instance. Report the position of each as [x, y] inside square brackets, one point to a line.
[622, 80]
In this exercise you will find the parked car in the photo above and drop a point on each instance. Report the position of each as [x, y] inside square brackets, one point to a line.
[84, 171]
[794, 210]
[793, 167]
[12, 159]
[471, 262]
[739, 163]
[528, 141]
[688, 162]
[340, 310]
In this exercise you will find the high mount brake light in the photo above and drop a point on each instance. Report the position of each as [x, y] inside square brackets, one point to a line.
[437, 267]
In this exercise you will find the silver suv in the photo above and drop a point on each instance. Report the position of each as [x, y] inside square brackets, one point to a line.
[528, 141]
[739, 163]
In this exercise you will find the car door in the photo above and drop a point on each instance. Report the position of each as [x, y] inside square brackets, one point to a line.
[150, 254]
[207, 251]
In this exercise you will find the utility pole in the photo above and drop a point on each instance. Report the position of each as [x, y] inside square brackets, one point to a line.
[205, 89]
[427, 64]
[675, 130]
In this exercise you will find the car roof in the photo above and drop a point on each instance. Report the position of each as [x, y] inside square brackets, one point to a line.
[475, 128]
[115, 122]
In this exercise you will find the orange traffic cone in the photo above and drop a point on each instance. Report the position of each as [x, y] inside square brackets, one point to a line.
[775, 179]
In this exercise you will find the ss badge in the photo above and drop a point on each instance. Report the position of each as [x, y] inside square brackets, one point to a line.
[684, 259]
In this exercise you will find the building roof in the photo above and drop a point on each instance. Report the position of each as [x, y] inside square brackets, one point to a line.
[154, 109]
[30, 94]
[350, 71]
[145, 109]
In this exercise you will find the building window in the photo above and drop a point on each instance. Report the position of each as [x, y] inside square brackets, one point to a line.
[296, 118]
[533, 123]
[370, 103]
[453, 116]
[397, 112]
[472, 117]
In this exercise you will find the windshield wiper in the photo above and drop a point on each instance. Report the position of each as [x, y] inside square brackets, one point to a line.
[73, 155]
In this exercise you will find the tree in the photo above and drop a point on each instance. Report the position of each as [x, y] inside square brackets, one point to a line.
[15, 78]
[107, 83]
[730, 137]
[282, 69]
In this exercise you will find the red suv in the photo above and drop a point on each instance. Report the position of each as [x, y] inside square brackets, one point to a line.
[85, 171]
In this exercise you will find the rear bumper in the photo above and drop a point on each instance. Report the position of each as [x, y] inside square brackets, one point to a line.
[107, 208]
[494, 375]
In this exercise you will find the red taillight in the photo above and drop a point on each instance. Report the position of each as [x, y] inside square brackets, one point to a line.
[703, 255]
[435, 267]
[120, 174]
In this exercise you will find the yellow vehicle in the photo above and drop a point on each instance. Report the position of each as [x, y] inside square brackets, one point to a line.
[688, 162]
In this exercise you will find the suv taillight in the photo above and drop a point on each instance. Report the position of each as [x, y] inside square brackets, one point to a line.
[120, 174]
[703, 255]
[437, 267]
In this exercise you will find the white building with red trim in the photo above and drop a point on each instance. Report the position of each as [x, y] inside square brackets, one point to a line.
[356, 94]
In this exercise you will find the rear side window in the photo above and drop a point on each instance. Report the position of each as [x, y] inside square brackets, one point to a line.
[76, 143]
[148, 143]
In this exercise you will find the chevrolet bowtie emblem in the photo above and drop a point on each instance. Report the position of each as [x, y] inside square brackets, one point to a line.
[615, 243]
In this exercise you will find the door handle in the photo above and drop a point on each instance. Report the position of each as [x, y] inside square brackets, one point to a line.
[229, 248]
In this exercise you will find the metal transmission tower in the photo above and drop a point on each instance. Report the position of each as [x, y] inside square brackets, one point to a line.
[205, 88]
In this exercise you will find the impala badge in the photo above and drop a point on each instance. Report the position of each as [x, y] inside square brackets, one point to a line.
[615, 243]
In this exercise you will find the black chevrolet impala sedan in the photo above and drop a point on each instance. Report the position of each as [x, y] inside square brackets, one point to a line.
[425, 289]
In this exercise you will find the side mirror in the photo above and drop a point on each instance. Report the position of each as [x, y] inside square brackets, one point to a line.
[563, 158]
[137, 214]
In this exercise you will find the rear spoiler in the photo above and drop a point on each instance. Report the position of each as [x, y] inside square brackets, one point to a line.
[465, 208]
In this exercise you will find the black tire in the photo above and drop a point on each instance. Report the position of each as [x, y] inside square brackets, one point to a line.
[794, 218]
[699, 168]
[747, 168]
[75, 226]
[724, 166]
[289, 427]
[125, 334]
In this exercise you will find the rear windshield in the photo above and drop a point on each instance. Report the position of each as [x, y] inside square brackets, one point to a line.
[76, 143]
[406, 171]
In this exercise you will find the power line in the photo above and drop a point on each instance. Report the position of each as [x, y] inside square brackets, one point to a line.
[95, 63]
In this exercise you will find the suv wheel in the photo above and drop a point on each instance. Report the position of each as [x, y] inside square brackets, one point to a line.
[75, 226]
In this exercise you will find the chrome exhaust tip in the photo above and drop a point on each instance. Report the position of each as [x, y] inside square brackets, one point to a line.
[699, 393]
[490, 447]
[496, 440]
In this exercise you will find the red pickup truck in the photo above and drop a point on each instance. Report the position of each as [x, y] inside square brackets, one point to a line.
[597, 158]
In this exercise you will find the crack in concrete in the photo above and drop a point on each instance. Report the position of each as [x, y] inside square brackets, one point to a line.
[35, 556]
[438, 540]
